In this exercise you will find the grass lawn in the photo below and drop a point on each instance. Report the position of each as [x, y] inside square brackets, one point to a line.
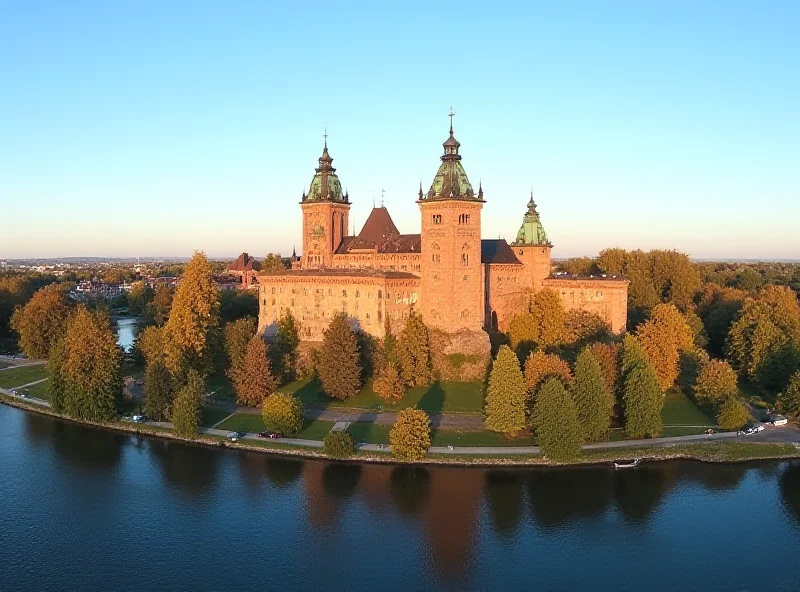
[221, 388]
[481, 438]
[449, 397]
[212, 415]
[40, 391]
[15, 377]
[252, 424]
[680, 410]
[369, 432]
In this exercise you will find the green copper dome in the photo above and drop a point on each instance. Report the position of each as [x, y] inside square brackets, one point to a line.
[451, 181]
[531, 232]
[325, 186]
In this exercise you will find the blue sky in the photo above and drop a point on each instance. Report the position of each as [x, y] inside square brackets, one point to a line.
[156, 128]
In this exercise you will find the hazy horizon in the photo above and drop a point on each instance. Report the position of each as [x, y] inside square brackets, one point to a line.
[154, 130]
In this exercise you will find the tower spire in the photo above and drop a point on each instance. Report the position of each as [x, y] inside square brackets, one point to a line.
[451, 114]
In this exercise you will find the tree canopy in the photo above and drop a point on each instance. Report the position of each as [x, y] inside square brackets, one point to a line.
[556, 422]
[414, 353]
[338, 366]
[187, 407]
[663, 337]
[505, 394]
[593, 401]
[42, 321]
[252, 378]
[410, 436]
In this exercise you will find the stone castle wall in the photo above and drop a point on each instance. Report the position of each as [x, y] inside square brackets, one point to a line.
[605, 297]
[371, 259]
[313, 300]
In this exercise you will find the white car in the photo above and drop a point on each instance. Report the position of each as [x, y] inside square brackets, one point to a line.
[780, 421]
[758, 428]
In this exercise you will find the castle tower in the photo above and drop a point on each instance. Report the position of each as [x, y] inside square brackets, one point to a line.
[326, 215]
[451, 284]
[532, 248]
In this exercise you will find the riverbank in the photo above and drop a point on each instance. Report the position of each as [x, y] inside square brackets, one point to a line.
[717, 451]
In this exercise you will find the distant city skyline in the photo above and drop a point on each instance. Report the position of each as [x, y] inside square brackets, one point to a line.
[156, 130]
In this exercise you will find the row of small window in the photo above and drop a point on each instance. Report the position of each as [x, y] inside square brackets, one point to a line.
[321, 292]
[437, 258]
[462, 218]
[598, 293]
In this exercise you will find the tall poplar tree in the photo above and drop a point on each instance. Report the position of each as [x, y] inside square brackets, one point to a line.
[187, 408]
[506, 394]
[593, 401]
[252, 378]
[284, 349]
[338, 369]
[158, 390]
[414, 353]
[556, 422]
[194, 315]
[642, 399]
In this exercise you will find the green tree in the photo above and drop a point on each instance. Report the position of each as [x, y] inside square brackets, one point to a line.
[414, 353]
[194, 314]
[608, 355]
[506, 394]
[42, 321]
[139, 297]
[540, 366]
[187, 407]
[612, 261]
[556, 422]
[156, 311]
[284, 349]
[283, 413]
[252, 378]
[339, 444]
[273, 263]
[338, 366]
[237, 338]
[389, 385]
[593, 401]
[790, 399]
[158, 391]
[643, 402]
[149, 345]
[87, 381]
[749, 279]
[732, 415]
[237, 304]
[410, 436]
[717, 382]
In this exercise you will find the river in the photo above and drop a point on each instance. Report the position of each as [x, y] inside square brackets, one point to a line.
[83, 509]
[127, 329]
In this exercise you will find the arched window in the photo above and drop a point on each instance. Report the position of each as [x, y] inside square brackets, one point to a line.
[437, 218]
[464, 259]
[341, 227]
[463, 219]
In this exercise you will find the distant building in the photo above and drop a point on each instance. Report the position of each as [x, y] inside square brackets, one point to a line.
[245, 268]
[456, 280]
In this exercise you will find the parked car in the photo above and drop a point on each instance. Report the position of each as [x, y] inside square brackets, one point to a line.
[758, 428]
[264, 434]
[236, 436]
[780, 420]
[140, 418]
[274, 435]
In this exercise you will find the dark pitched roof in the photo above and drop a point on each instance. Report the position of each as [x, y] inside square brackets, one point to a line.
[496, 250]
[244, 262]
[378, 227]
[380, 233]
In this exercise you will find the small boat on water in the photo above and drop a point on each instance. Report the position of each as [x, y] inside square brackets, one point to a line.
[626, 464]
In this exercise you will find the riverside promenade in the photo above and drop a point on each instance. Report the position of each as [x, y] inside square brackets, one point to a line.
[785, 434]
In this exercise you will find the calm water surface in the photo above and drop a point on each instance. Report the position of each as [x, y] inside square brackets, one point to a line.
[127, 329]
[87, 509]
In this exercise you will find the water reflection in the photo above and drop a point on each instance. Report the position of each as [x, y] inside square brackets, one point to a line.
[190, 469]
[722, 478]
[557, 496]
[505, 494]
[282, 472]
[410, 488]
[639, 492]
[339, 480]
[95, 449]
[789, 486]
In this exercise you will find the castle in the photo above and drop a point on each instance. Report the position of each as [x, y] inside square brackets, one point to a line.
[459, 282]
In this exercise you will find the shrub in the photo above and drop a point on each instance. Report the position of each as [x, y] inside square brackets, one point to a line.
[389, 385]
[283, 413]
[732, 415]
[339, 444]
[410, 436]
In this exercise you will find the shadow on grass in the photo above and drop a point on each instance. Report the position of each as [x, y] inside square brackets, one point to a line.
[433, 399]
